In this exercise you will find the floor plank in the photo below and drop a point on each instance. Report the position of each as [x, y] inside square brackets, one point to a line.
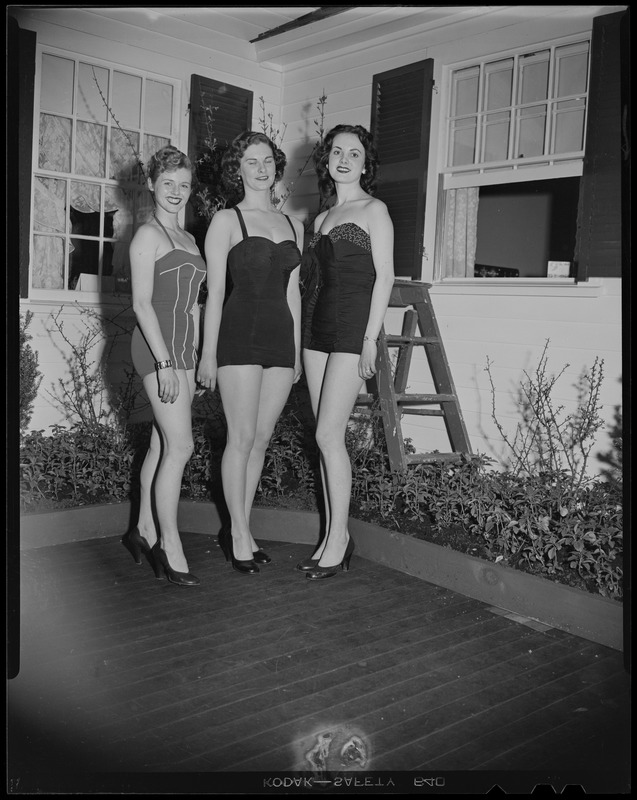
[125, 674]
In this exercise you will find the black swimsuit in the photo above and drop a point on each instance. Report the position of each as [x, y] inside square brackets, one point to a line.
[256, 323]
[338, 277]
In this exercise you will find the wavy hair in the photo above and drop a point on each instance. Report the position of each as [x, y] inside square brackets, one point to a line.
[322, 154]
[169, 159]
[231, 181]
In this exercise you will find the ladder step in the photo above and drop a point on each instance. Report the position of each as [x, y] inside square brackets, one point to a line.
[424, 412]
[430, 458]
[404, 398]
[396, 338]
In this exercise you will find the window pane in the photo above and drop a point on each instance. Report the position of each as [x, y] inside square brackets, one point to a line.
[85, 198]
[84, 258]
[49, 205]
[496, 137]
[571, 69]
[465, 91]
[463, 144]
[90, 154]
[48, 262]
[158, 107]
[498, 84]
[568, 126]
[532, 123]
[90, 104]
[127, 99]
[56, 86]
[54, 143]
[534, 74]
[123, 154]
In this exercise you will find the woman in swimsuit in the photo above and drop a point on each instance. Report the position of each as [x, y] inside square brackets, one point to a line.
[167, 271]
[252, 341]
[350, 278]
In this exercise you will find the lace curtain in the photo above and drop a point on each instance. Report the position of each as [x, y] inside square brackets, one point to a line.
[50, 212]
[461, 226]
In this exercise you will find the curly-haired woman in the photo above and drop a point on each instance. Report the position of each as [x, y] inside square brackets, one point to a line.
[252, 326]
[350, 275]
[166, 270]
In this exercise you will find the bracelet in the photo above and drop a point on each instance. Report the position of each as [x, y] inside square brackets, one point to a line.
[163, 364]
[369, 339]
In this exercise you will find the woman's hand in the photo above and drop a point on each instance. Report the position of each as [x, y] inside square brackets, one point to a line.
[168, 384]
[207, 373]
[367, 361]
[298, 369]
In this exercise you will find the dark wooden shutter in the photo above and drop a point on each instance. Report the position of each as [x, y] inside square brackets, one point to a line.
[400, 122]
[218, 111]
[20, 98]
[598, 248]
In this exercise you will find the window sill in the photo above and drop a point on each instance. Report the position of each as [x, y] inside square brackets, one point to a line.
[528, 287]
[71, 298]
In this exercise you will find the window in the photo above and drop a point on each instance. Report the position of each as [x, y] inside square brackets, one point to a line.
[528, 106]
[515, 152]
[95, 124]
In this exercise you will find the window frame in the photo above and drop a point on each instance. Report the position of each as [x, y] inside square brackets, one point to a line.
[515, 170]
[67, 295]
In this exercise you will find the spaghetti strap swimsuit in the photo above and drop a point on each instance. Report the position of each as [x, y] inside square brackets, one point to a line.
[338, 277]
[178, 276]
[257, 326]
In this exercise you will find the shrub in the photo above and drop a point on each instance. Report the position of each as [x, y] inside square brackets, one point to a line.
[30, 377]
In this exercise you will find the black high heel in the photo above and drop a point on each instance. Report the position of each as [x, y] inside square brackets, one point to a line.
[161, 563]
[134, 542]
[225, 543]
[327, 572]
[307, 564]
[261, 557]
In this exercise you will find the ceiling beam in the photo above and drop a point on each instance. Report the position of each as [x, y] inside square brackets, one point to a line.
[307, 19]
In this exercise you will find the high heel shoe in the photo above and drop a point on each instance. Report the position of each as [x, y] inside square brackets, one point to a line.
[161, 563]
[261, 557]
[134, 542]
[225, 543]
[307, 564]
[317, 573]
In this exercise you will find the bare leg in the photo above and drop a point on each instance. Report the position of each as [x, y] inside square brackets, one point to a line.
[145, 522]
[174, 425]
[276, 383]
[340, 387]
[315, 364]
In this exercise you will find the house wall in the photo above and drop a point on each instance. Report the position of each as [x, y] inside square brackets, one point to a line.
[508, 325]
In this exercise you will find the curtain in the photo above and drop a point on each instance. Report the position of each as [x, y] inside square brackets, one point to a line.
[461, 226]
[50, 195]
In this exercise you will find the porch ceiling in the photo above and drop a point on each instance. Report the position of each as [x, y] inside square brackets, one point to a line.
[284, 37]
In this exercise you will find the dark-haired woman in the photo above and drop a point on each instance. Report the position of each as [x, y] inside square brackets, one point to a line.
[252, 342]
[350, 275]
[167, 270]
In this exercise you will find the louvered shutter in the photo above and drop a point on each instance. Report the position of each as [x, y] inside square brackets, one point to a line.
[400, 122]
[218, 111]
[598, 251]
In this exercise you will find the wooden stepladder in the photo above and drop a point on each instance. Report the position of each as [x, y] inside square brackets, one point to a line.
[389, 385]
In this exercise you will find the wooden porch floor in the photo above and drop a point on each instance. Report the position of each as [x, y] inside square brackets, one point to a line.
[126, 675]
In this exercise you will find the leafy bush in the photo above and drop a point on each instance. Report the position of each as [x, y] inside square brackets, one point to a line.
[30, 377]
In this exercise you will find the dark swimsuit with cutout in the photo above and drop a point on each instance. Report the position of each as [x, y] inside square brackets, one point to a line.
[257, 326]
[178, 276]
[338, 278]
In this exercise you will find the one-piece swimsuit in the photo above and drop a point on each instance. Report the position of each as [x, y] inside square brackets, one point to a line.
[178, 277]
[257, 326]
[338, 277]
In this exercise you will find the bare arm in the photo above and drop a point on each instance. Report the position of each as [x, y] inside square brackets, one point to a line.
[143, 253]
[294, 302]
[217, 247]
[381, 232]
